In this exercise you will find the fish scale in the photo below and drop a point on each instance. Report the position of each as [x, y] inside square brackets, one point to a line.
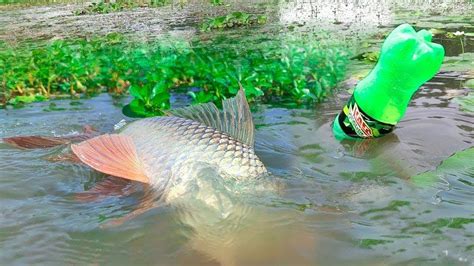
[164, 144]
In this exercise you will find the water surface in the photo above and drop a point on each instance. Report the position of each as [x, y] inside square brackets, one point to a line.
[339, 202]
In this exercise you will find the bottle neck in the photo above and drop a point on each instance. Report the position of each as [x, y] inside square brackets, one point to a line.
[384, 95]
[354, 122]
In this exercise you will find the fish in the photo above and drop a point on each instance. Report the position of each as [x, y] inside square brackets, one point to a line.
[158, 151]
[201, 162]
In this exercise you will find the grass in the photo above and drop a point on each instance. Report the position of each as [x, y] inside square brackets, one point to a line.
[293, 69]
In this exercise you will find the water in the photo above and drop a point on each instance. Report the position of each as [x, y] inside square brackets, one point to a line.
[337, 203]
[330, 201]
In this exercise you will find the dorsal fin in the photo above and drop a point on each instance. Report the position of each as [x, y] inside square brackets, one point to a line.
[235, 118]
[112, 154]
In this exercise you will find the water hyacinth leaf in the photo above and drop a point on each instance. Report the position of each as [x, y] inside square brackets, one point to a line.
[458, 165]
[53, 107]
[370, 243]
[201, 97]
[138, 92]
[262, 19]
[160, 87]
[114, 38]
[466, 103]
[232, 20]
[469, 84]
[136, 109]
[437, 31]
[116, 65]
[27, 99]
[251, 91]
[161, 101]
[216, 2]
[462, 62]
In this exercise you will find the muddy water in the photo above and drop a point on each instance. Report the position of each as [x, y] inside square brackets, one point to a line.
[337, 203]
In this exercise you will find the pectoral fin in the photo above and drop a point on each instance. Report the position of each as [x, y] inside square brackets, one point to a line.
[113, 154]
[36, 142]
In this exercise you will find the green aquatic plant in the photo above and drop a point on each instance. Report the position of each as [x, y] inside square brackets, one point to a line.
[370, 243]
[439, 224]
[457, 166]
[469, 84]
[298, 70]
[457, 34]
[235, 19]
[216, 2]
[392, 206]
[20, 100]
[69, 67]
[107, 6]
[101, 7]
[371, 56]
[466, 102]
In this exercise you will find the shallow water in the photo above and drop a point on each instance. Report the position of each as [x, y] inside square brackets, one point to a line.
[338, 203]
[356, 203]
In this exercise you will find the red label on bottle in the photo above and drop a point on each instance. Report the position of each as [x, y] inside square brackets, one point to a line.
[358, 122]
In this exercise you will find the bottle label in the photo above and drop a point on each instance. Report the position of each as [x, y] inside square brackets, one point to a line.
[356, 123]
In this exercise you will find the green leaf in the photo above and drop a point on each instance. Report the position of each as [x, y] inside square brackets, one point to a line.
[136, 109]
[201, 97]
[161, 100]
[466, 102]
[137, 92]
[469, 84]
[159, 88]
[27, 99]
[369, 243]
[457, 166]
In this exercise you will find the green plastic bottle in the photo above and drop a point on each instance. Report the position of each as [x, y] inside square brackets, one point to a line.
[407, 60]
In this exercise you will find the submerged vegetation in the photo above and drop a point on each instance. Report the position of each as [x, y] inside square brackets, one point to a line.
[467, 102]
[457, 167]
[296, 69]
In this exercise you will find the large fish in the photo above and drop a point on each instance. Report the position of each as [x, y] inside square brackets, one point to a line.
[201, 161]
[153, 150]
